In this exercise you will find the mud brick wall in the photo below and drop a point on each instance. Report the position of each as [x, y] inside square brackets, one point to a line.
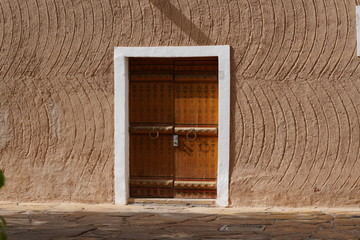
[295, 94]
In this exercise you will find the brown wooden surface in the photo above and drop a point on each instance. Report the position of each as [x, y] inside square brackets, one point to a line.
[151, 69]
[196, 103]
[196, 70]
[150, 159]
[168, 94]
[151, 102]
[195, 161]
[195, 193]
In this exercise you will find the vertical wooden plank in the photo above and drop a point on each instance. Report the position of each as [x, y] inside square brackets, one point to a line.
[151, 166]
[151, 105]
[196, 105]
[196, 159]
[196, 167]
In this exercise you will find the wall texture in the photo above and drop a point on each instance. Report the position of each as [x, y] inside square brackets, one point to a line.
[295, 85]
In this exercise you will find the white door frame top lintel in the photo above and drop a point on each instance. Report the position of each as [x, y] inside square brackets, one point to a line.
[121, 112]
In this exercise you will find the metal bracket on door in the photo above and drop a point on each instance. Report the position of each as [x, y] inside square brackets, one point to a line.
[176, 140]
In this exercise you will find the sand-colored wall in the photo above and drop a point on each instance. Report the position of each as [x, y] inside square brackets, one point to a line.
[295, 85]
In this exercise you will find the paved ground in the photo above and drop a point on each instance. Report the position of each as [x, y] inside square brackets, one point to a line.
[90, 222]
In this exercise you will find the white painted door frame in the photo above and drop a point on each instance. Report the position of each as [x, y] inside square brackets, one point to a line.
[358, 29]
[121, 112]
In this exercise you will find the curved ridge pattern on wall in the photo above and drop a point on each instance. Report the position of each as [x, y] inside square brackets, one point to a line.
[295, 86]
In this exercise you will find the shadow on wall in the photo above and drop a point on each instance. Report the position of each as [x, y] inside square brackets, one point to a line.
[195, 33]
[181, 21]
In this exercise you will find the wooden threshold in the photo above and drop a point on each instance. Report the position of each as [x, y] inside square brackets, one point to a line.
[176, 201]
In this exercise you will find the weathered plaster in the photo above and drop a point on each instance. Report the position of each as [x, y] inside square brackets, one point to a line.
[5, 128]
[294, 82]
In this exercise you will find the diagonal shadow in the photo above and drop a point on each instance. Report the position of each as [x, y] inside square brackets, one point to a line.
[181, 21]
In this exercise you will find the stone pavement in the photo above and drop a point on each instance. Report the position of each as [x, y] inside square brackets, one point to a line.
[90, 222]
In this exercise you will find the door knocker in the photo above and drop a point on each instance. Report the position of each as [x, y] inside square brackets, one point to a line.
[156, 135]
[193, 138]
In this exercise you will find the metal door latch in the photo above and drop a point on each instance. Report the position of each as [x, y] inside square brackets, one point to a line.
[176, 140]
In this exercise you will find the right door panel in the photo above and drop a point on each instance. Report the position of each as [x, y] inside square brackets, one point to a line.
[195, 167]
[196, 121]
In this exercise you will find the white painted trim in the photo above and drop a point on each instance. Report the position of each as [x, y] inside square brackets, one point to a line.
[358, 29]
[121, 112]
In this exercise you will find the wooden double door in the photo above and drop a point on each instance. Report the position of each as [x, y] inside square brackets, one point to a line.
[173, 127]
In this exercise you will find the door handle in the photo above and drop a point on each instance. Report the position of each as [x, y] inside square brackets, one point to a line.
[191, 139]
[154, 137]
[176, 140]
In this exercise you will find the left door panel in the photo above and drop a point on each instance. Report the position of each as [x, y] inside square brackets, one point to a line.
[151, 128]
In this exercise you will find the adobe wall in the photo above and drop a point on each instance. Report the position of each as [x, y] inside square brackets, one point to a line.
[295, 85]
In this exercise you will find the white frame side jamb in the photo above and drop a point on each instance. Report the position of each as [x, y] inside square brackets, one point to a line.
[121, 112]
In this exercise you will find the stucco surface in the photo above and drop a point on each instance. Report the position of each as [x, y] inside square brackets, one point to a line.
[295, 94]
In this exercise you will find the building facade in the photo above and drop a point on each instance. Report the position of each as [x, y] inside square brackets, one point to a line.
[294, 104]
